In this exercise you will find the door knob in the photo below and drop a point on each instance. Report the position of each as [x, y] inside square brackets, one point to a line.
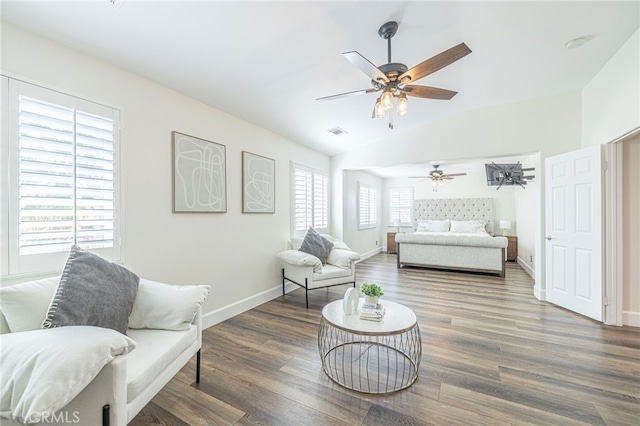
[549, 237]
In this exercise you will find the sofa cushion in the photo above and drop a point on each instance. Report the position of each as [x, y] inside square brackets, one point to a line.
[156, 349]
[316, 245]
[25, 305]
[166, 307]
[330, 271]
[92, 291]
[43, 370]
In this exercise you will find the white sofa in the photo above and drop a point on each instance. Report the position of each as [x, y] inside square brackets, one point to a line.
[308, 272]
[127, 383]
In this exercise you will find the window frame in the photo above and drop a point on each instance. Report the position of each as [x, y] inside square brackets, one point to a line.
[372, 209]
[315, 173]
[13, 263]
[391, 209]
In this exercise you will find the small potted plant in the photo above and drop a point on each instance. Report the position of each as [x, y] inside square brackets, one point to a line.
[372, 293]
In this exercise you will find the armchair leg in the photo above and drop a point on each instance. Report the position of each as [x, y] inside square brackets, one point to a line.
[283, 281]
[306, 291]
[198, 366]
[105, 415]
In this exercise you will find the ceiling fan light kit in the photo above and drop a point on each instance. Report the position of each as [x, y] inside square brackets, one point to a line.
[393, 78]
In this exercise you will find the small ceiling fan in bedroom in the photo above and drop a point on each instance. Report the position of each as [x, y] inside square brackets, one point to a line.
[394, 78]
[438, 176]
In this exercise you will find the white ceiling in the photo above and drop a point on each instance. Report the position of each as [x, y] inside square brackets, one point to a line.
[267, 62]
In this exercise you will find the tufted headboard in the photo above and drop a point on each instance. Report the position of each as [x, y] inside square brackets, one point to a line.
[455, 209]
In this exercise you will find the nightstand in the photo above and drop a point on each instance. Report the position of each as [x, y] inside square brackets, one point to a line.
[391, 242]
[512, 248]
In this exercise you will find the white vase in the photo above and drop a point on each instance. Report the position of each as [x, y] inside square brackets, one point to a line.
[373, 300]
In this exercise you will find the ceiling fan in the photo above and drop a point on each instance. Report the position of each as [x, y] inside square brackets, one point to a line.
[438, 176]
[394, 78]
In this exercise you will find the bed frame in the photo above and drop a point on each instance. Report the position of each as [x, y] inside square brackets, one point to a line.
[482, 256]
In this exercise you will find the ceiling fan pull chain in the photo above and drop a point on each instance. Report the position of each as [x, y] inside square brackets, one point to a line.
[391, 120]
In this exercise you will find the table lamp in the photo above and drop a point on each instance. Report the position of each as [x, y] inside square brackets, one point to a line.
[504, 225]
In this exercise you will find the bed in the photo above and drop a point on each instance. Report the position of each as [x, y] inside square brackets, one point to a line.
[453, 234]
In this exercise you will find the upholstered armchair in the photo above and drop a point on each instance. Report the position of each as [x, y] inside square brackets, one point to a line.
[309, 272]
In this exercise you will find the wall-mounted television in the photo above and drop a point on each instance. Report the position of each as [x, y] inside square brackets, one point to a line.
[506, 174]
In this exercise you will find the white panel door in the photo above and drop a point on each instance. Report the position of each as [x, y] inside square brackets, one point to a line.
[573, 195]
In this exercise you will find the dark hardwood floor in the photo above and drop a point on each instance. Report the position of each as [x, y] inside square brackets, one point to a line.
[492, 354]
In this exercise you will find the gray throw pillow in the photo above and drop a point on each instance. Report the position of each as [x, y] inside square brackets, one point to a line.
[316, 245]
[92, 291]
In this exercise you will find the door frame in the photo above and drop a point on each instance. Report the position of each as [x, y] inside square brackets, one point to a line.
[613, 265]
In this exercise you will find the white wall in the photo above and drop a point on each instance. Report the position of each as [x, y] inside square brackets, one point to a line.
[363, 241]
[526, 204]
[611, 100]
[549, 126]
[610, 110]
[631, 231]
[233, 252]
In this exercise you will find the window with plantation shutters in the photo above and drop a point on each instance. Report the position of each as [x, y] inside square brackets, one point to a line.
[311, 198]
[400, 206]
[62, 185]
[367, 206]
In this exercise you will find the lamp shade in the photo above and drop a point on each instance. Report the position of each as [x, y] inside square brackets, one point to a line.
[504, 225]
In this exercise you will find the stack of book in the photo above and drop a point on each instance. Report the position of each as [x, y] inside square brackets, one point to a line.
[372, 312]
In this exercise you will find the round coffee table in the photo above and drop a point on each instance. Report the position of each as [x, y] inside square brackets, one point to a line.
[369, 356]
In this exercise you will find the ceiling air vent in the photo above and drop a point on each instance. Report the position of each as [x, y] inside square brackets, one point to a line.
[337, 131]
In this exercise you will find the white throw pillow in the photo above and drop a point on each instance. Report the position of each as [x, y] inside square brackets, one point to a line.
[166, 307]
[44, 370]
[25, 305]
[342, 258]
[433, 225]
[468, 226]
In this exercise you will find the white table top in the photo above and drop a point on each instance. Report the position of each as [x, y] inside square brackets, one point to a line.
[397, 319]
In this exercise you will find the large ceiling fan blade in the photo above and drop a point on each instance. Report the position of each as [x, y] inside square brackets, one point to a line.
[428, 92]
[346, 94]
[435, 63]
[455, 174]
[420, 177]
[364, 65]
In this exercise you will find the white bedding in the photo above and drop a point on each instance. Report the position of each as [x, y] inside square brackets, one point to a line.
[458, 234]
[43, 370]
[468, 239]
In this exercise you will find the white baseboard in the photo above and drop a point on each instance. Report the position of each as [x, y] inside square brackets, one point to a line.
[631, 318]
[369, 254]
[229, 311]
[539, 293]
[528, 269]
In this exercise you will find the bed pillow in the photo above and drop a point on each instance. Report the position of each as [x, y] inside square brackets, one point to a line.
[43, 370]
[92, 291]
[166, 307]
[316, 245]
[468, 226]
[25, 305]
[433, 225]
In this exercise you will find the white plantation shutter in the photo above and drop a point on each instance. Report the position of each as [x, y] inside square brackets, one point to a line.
[367, 206]
[311, 196]
[64, 178]
[400, 206]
